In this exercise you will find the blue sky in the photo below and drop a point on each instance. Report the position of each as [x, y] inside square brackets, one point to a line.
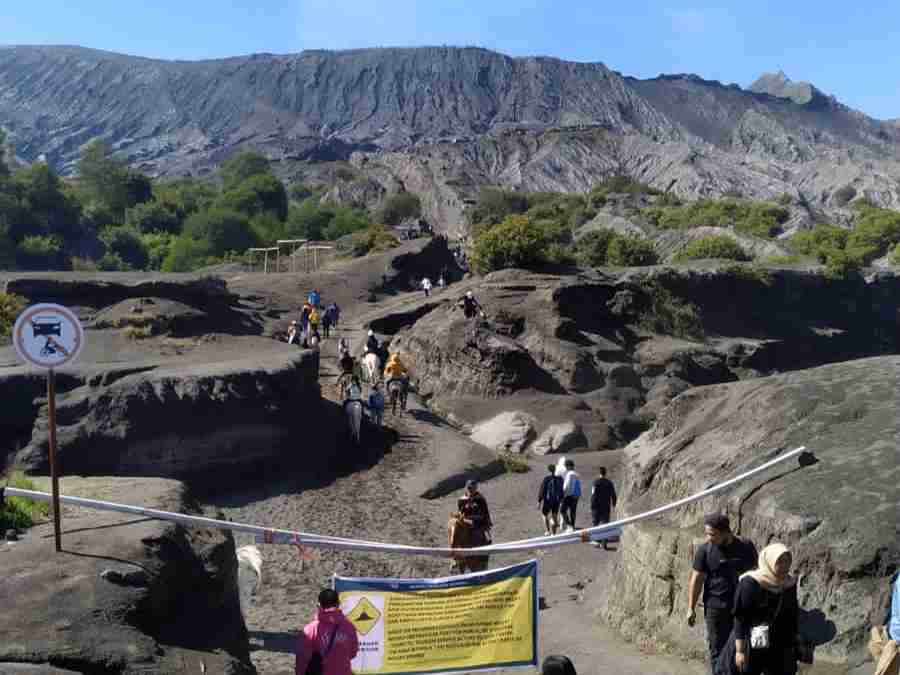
[851, 50]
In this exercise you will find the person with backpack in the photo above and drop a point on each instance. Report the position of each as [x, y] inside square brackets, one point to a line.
[571, 495]
[328, 643]
[549, 500]
[603, 501]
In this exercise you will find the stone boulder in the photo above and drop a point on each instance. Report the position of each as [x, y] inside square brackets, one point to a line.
[839, 516]
[508, 432]
[179, 615]
[565, 437]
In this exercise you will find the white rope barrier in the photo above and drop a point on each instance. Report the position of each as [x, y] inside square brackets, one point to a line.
[310, 540]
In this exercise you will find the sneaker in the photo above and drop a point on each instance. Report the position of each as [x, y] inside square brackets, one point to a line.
[546, 533]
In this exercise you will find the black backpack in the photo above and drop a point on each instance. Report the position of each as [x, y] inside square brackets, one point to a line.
[314, 667]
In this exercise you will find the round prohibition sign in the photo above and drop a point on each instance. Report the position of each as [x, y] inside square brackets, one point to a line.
[48, 336]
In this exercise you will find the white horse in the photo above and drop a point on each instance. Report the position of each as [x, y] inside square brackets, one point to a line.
[249, 575]
[373, 366]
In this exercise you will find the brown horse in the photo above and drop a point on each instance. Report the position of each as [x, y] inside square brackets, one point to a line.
[462, 535]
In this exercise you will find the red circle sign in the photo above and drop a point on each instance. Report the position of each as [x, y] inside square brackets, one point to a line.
[48, 336]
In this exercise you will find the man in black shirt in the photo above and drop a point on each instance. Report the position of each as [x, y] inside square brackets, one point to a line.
[603, 501]
[717, 565]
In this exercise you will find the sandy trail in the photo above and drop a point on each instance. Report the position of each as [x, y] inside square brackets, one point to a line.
[381, 502]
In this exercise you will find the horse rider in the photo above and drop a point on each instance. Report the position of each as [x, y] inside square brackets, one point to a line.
[372, 344]
[343, 347]
[395, 370]
[474, 510]
[470, 305]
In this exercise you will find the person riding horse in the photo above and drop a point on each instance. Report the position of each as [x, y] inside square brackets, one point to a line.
[474, 513]
[395, 371]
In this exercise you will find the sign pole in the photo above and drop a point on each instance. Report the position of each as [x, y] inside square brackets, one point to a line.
[54, 470]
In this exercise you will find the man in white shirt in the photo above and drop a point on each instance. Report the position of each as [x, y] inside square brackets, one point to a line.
[571, 493]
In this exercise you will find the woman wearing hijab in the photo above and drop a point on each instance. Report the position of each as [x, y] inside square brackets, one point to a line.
[766, 615]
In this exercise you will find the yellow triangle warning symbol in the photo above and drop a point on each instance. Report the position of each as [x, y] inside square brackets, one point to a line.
[365, 616]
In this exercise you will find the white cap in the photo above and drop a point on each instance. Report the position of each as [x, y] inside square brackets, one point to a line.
[371, 332]
[468, 294]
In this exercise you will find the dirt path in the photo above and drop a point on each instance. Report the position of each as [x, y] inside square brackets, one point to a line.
[381, 502]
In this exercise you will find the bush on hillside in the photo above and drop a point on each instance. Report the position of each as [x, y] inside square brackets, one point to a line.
[630, 251]
[719, 247]
[11, 306]
[186, 254]
[153, 216]
[373, 239]
[220, 230]
[19, 513]
[518, 241]
[591, 249]
[400, 207]
[760, 219]
[125, 244]
[669, 314]
[495, 204]
[41, 252]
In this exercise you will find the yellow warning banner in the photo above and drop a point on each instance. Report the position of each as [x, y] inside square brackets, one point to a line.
[471, 622]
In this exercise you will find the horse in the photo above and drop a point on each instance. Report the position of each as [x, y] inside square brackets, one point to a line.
[373, 366]
[462, 535]
[353, 409]
[249, 575]
[397, 392]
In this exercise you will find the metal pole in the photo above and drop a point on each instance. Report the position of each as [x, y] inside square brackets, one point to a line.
[54, 472]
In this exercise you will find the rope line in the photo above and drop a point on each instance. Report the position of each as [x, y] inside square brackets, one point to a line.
[311, 540]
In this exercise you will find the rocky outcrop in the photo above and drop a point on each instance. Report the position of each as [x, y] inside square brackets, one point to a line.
[177, 614]
[507, 432]
[169, 383]
[565, 437]
[220, 416]
[838, 516]
[609, 352]
[441, 122]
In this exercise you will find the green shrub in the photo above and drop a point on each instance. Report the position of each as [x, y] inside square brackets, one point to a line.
[495, 204]
[819, 241]
[125, 243]
[718, 247]
[344, 221]
[874, 232]
[21, 513]
[158, 245]
[220, 230]
[760, 219]
[153, 216]
[186, 254]
[41, 252]
[400, 207]
[513, 463]
[631, 251]
[668, 314]
[591, 249]
[373, 239]
[518, 241]
[841, 265]
[11, 306]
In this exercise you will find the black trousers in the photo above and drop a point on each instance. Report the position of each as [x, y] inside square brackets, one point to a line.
[718, 628]
[569, 506]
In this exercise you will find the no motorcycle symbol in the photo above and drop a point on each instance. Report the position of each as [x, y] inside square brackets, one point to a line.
[48, 336]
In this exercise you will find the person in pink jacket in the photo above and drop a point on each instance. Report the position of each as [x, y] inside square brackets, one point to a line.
[331, 635]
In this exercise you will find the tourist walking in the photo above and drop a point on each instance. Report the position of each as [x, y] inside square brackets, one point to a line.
[474, 509]
[329, 638]
[603, 501]
[765, 635]
[327, 320]
[315, 298]
[571, 495]
[376, 404]
[550, 497]
[426, 286]
[718, 564]
[470, 306]
[314, 319]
